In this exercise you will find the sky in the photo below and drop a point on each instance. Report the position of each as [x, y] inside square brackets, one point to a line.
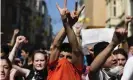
[53, 12]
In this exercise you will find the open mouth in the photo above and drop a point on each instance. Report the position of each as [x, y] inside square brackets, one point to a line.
[39, 67]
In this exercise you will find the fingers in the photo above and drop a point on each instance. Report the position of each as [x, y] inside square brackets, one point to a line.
[72, 15]
[79, 26]
[25, 41]
[122, 31]
[16, 31]
[65, 3]
[76, 5]
[68, 13]
[58, 7]
[129, 17]
[127, 20]
[21, 39]
[119, 36]
[81, 9]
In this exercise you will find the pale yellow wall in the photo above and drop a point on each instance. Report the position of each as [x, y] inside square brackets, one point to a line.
[99, 13]
[89, 10]
[96, 11]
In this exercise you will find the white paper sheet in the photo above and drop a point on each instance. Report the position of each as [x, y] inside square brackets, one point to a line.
[92, 36]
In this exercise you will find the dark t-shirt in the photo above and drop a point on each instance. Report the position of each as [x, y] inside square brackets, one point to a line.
[37, 75]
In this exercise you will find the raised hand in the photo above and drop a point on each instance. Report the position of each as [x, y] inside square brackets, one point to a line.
[63, 11]
[78, 27]
[128, 19]
[119, 35]
[16, 31]
[21, 39]
[75, 14]
[68, 17]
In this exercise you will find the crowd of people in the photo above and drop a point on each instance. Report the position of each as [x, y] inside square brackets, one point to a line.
[66, 61]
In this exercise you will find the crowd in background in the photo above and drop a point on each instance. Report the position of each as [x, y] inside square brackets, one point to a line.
[20, 60]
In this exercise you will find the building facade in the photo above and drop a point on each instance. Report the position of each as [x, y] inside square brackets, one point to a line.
[30, 17]
[117, 10]
[95, 10]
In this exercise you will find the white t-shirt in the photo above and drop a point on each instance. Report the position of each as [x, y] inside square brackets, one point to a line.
[128, 70]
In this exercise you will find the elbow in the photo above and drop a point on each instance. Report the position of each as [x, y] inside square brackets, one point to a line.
[93, 70]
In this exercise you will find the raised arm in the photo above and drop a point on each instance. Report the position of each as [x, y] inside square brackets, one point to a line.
[98, 62]
[54, 49]
[68, 21]
[24, 72]
[77, 28]
[124, 43]
[19, 41]
[16, 31]
[127, 20]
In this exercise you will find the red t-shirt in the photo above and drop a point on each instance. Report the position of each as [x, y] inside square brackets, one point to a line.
[64, 70]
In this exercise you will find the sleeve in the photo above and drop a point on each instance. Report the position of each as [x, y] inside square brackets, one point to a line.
[128, 70]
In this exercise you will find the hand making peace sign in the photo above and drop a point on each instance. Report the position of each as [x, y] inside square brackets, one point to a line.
[68, 17]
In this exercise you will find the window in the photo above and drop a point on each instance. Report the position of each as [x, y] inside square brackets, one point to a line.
[114, 14]
[114, 8]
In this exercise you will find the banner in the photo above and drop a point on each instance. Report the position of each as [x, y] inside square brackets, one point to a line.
[92, 36]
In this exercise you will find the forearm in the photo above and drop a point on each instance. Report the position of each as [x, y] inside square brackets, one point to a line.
[12, 53]
[79, 39]
[77, 54]
[101, 58]
[54, 49]
[59, 38]
[12, 40]
[71, 36]
[23, 71]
